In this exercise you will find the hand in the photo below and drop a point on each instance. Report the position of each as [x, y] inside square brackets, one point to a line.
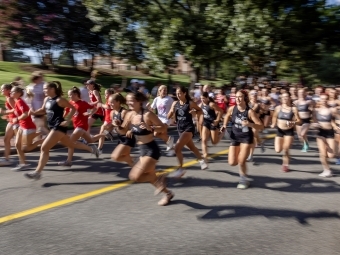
[4, 117]
[116, 123]
[129, 134]
[222, 129]
[15, 120]
[192, 111]
[65, 123]
[215, 123]
[245, 123]
[290, 123]
[86, 113]
[143, 125]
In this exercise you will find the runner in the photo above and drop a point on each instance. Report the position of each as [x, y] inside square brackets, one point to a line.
[255, 106]
[123, 150]
[27, 131]
[266, 102]
[143, 124]
[305, 109]
[163, 105]
[211, 122]
[183, 109]
[285, 117]
[53, 106]
[95, 98]
[11, 128]
[241, 136]
[323, 118]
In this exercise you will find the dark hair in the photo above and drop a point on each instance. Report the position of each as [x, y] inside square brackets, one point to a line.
[110, 91]
[185, 90]
[19, 90]
[35, 76]
[245, 95]
[15, 83]
[118, 97]
[138, 96]
[206, 95]
[75, 90]
[57, 87]
[96, 86]
[18, 78]
[7, 86]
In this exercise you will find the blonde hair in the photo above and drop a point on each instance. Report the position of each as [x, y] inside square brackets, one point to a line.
[160, 88]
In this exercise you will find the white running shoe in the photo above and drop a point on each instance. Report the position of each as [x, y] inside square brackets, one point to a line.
[170, 143]
[178, 173]
[326, 173]
[203, 164]
[5, 162]
[170, 153]
[21, 167]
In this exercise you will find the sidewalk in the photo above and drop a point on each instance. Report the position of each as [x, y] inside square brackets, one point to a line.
[94, 130]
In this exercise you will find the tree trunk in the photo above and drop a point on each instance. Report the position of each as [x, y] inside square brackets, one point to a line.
[71, 56]
[207, 71]
[195, 76]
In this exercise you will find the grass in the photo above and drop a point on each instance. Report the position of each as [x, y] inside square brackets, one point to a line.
[10, 70]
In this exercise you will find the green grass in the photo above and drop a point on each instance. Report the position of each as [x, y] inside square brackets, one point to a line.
[10, 70]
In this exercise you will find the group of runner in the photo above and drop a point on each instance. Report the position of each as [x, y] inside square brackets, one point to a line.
[248, 112]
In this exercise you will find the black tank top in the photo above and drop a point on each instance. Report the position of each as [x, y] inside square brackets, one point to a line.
[119, 115]
[285, 115]
[136, 130]
[236, 118]
[209, 113]
[257, 110]
[183, 116]
[54, 112]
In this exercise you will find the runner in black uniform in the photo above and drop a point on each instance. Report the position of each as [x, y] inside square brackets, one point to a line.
[53, 106]
[186, 128]
[211, 122]
[143, 124]
[243, 120]
[122, 152]
[285, 117]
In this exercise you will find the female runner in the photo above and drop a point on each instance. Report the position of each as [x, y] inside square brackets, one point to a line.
[163, 104]
[53, 106]
[243, 119]
[11, 128]
[255, 106]
[323, 117]
[95, 98]
[305, 109]
[143, 124]
[211, 122]
[266, 102]
[183, 109]
[285, 117]
[80, 124]
[122, 152]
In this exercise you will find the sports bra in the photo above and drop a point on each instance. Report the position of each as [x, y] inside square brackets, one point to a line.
[323, 117]
[285, 115]
[136, 130]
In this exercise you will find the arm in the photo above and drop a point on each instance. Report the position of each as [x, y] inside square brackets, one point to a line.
[297, 117]
[274, 118]
[171, 112]
[227, 117]
[219, 113]
[258, 125]
[98, 97]
[40, 111]
[62, 102]
[156, 124]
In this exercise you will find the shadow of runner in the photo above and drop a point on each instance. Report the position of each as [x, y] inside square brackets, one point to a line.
[226, 212]
[51, 184]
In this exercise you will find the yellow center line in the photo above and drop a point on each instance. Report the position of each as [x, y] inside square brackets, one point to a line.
[94, 193]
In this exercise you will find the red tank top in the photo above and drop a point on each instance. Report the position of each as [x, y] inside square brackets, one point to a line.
[232, 100]
[11, 115]
[93, 99]
[108, 114]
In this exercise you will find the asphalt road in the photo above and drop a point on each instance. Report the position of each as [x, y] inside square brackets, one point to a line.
[282, 213]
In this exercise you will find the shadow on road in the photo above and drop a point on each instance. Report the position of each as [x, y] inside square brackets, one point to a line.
[225, 212]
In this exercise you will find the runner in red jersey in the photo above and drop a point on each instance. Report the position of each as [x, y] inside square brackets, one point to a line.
[107, 125]
[11, 128]
[27, 131]
[232, 97]
[80, 124]
[95, 98]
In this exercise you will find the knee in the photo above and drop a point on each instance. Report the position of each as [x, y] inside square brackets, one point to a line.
[114, 157]
[177, 148]
[133, 177]
[232, 162]
[45, 149]
[331, 155]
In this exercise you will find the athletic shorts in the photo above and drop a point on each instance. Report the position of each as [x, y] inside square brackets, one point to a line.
[97, 116]
[13, 126]
[150, 149]
[209, 125]
[304, 121]
[282, 132]
[28, 131]
[131, 142]
[326, 133]
[59, 128]
[236, 140]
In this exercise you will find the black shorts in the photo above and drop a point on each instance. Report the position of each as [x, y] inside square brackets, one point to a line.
[97, 116]
[281, 132]
[209, 125]
[150, 149]
[236, 140]
[188, 129]
[326, 133]
[59, 128]
[304, 121]
[127, 141]
[38, 116]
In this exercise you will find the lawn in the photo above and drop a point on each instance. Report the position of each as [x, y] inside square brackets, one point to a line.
[10, 70]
